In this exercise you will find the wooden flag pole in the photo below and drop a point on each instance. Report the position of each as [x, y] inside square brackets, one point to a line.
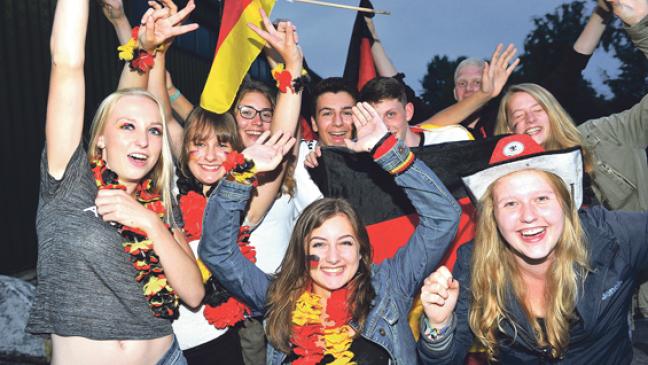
[334, 5]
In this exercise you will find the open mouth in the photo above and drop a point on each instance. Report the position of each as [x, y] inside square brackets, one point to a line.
[138, 159]
[532, 131]
[210, 168]
[332, 270]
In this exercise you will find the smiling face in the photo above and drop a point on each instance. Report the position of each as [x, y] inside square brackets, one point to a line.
[332, 121]
[131, 140]
[251, 129]
[529, 214]
[395, 115]
[526, 115]
[205, 157]
[336, 244]
[468, 81]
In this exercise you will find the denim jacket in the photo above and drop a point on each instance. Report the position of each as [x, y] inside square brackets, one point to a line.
[395, 281]
[617, 245]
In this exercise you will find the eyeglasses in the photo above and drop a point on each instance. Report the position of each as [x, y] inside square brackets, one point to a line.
[249, 112]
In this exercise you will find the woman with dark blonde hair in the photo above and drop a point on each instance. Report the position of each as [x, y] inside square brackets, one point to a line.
[327, 303]
[613, 146]
[543, 281]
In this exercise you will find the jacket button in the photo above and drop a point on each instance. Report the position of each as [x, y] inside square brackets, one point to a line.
[381, 331]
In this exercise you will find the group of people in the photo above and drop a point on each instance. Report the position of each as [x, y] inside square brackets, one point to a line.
[178, 235]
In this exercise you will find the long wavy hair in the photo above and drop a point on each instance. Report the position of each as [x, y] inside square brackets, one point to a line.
[201, 124]
[494, 273]
[563, 132]
[162, 172]
[294, 275]
[253, 86]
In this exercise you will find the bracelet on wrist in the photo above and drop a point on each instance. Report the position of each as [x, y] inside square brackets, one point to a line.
[433, 333]
[239, 169]
[285, 79]
[140, 60]
[173, 97]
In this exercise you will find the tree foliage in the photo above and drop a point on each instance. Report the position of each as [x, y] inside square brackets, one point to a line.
[545, 47]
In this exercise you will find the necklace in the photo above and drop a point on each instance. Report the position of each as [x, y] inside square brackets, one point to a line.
[162, 299]
[221, 309]
[315, 335]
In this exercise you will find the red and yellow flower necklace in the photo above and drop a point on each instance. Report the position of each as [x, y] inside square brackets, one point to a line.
[316, 334]
[161, 298]
[192, 203]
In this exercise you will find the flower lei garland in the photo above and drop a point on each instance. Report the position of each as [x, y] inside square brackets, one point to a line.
[161, 298]
[140, 60]
[315, 335]
[222, 310]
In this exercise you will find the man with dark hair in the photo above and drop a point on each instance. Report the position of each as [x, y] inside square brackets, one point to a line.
[387, 95]
[331, 119]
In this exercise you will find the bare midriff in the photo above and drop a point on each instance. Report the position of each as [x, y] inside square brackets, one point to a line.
[81, 350]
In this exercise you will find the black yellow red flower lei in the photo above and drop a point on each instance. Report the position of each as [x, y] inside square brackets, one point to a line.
[315, 335]
[221, 309]
[161, 298]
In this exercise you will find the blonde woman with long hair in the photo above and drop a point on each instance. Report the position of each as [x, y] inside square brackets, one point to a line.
[614, 146]
[110, 271]
[543, 281]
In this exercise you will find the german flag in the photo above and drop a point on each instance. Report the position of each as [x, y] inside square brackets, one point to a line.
[359, 67]
[236, 49]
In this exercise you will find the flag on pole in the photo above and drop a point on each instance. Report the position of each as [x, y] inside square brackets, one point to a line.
[236, 49]
[359, 67]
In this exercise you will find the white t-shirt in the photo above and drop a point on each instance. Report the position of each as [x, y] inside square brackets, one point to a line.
[191, 328]
[307, 192]
[270, 238]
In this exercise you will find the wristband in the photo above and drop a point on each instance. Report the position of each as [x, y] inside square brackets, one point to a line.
[175, 96]
[433, 334]
[285, 79]
[239, 169]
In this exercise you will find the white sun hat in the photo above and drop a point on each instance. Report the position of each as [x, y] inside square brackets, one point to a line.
[520, 152]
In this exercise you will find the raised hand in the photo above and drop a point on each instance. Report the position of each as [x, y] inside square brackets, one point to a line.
[268, 151]
[311, 159]
[629, 11]
[112, 9]
[161, 24]
[439, 297]
[495, 74]
[369, 125]
[115, 205]
[283, 39]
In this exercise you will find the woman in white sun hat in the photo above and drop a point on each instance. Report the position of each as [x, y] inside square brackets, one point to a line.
[543, 281]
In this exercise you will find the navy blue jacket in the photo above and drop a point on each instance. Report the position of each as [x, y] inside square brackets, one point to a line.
[617, 243]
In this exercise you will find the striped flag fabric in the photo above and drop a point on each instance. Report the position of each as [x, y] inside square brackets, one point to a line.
[359, 67]
[236, 49]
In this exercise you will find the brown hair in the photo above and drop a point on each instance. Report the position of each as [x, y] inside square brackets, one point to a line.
[201, 124]
[293, 277]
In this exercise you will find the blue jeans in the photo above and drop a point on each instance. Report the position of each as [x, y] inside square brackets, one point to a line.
[173, 356]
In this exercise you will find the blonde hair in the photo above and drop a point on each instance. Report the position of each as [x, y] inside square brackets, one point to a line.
[562, 130]
[494, 266]
[162, 172]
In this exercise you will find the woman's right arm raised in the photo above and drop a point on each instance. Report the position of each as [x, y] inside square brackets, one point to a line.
[66, 99]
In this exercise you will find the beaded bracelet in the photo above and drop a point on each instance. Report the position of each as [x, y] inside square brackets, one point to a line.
[285, 79]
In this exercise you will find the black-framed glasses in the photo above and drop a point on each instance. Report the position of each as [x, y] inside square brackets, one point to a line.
[249, 112]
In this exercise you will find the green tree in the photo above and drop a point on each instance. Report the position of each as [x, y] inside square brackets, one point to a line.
[438, 82]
